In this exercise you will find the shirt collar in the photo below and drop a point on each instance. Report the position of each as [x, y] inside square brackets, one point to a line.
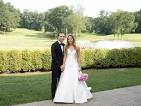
[59, 42]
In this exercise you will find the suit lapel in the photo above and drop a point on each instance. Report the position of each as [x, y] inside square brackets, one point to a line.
[60, 47]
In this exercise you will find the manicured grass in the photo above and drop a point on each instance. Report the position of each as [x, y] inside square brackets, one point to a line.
[29, 39]
[17, 89]
[23, 89]
[106, 79]
[25, 39]
[128, 37]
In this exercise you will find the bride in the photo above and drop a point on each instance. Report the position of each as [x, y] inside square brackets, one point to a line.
[70, 89]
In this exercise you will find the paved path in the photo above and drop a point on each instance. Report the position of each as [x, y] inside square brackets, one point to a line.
[129, 96]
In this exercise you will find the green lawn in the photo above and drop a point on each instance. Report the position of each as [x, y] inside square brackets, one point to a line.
[25, 39]
[29, 39]
[128, 37]
[23, 88]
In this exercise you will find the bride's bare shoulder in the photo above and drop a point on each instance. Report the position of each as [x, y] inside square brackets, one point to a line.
[77, 48]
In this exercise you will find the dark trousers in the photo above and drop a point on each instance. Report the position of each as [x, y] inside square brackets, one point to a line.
[55, 80]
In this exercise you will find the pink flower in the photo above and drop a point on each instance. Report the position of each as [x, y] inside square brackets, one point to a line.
[83, 77]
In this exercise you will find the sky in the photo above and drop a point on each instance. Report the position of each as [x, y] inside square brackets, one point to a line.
[91, 7]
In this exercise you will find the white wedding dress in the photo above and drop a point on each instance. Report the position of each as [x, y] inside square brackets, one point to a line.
[70, 89]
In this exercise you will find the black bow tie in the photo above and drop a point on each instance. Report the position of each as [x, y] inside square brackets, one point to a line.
[62, 44]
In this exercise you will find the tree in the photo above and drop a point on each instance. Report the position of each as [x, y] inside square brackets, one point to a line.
[138, 20]
[15, 18]
[75, 23]
[32, 20]
[89, 24]
[9, 17]
[55, 17]
[123, 22]
[102, 24]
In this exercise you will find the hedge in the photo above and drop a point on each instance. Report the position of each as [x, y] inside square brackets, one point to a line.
[27, 60]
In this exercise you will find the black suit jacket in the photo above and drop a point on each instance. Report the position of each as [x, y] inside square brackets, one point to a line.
[57, 57]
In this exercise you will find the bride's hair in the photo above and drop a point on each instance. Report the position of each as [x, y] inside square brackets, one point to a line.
[67, 45]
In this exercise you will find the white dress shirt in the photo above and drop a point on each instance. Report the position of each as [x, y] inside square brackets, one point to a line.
[61, 46]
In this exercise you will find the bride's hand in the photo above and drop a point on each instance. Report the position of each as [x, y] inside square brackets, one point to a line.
[80, 68]
[62, 67]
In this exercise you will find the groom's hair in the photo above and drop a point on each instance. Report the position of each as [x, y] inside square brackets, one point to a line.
[60, 33]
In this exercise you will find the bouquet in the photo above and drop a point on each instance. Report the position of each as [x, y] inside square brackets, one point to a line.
[82, 76]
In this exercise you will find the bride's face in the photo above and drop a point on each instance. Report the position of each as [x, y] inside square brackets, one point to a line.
[70, 40]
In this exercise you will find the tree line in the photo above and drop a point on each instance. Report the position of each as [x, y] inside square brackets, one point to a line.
[69, 20]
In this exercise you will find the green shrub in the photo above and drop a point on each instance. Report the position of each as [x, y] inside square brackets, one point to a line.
[3, 61]
[99, 56]
[36, 60]
[26, 60]
[89, 58]
[26, 64]
[112, 58]
[14, 59]
[122, 57]
[135, 56]
[82, 57]
[46, 59]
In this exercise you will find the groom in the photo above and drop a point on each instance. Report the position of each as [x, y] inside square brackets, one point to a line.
[57, 50]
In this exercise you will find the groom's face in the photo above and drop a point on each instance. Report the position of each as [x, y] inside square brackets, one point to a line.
[61, 37]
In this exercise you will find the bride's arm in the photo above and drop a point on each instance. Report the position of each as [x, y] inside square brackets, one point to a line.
[65, 56]
[78, 56]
